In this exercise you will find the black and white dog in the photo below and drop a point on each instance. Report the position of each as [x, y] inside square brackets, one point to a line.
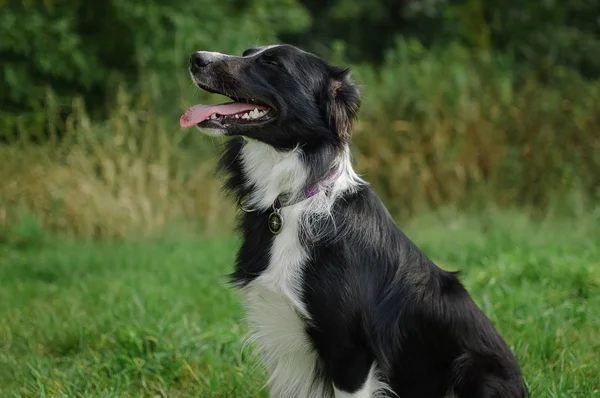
[340, 302]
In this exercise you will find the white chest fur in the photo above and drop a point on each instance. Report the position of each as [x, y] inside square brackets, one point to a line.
[275, 313]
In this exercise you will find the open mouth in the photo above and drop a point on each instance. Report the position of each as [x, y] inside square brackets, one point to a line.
[239, 112]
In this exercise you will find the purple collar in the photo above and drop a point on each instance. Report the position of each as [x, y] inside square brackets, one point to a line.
[310, 191]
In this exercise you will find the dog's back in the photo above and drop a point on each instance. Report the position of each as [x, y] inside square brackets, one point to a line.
[374, 290]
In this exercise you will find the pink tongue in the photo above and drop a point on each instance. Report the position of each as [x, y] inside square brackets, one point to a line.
[199, 113]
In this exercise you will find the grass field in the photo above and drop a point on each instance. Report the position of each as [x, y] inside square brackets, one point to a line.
[153, 317]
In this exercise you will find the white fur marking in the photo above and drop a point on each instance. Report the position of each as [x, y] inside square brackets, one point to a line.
[215, 55]
[263, 49]
[273, 299]
[275, 310]
[372, 388]
[271, 172]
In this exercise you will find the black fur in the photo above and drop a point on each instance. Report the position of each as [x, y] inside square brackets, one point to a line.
[372, 295]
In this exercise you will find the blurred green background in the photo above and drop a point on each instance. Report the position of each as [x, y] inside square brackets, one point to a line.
[464, 103]
[479, 129]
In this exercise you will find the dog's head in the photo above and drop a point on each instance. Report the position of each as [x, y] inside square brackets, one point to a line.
[282, 96]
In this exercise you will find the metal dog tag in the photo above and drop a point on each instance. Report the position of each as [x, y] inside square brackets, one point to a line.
[275, 221]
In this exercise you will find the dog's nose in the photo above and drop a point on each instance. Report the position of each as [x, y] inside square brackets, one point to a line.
[200, 60]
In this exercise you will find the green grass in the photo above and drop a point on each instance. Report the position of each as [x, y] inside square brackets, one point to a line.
[154, 317]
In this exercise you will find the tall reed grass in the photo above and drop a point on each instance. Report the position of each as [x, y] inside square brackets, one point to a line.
[452, 126]
[136, 172]
[436, 127]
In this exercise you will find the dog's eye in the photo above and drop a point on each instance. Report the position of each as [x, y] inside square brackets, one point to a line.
[270, 59]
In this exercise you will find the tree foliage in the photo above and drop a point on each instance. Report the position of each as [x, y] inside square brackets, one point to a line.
[538, 34]
[77, 47]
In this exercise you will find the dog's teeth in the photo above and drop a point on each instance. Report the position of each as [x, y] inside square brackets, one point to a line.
[213, 116]
[253, 114]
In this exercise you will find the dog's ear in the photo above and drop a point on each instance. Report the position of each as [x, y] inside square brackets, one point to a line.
[342, 102]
